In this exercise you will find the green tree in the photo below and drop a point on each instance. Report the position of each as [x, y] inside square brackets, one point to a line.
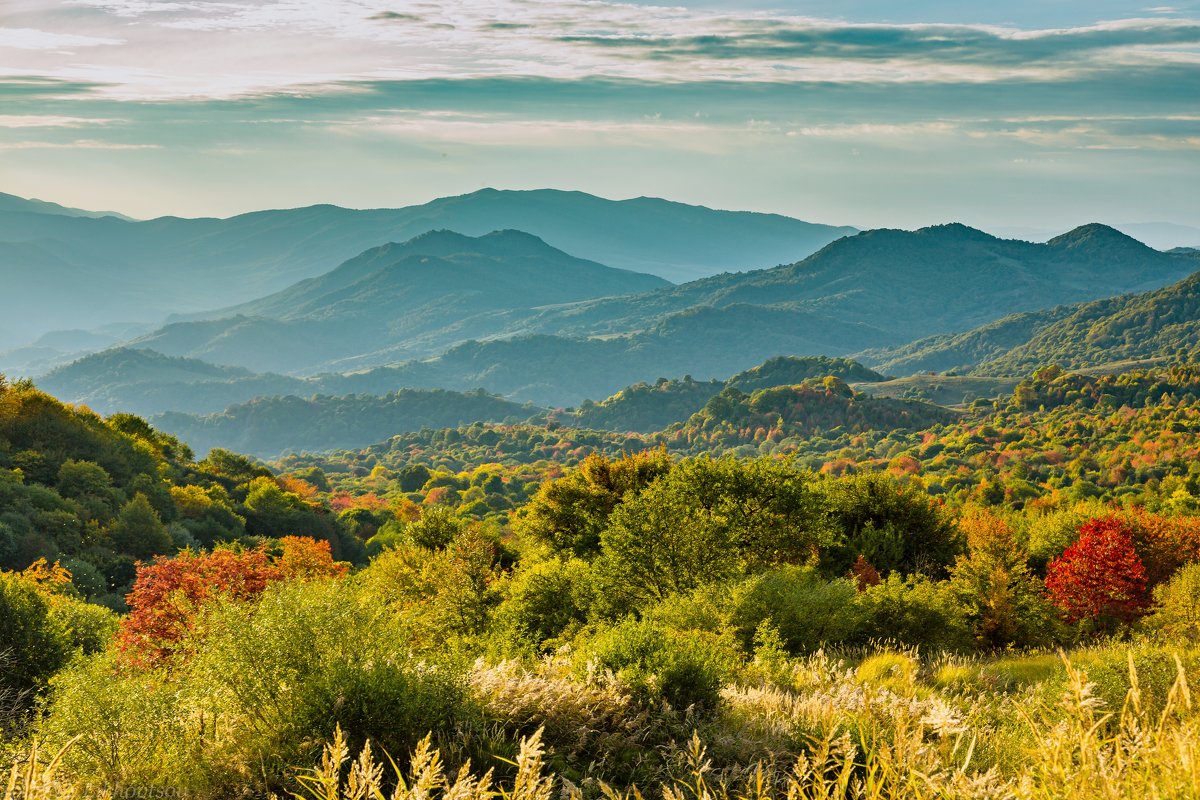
[138, 530]
[33, 643]
[708, 520]
[569, 513]
[897, 528]
[436, 529]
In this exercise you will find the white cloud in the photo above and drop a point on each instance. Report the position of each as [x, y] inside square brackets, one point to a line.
[50, 121]
[34, 39]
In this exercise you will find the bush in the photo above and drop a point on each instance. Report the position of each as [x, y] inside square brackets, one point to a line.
[896, 528]
[88, 628]
[1177, 606]
[436, 528]
[131, 725]
[266, 684]
[999, 598]
[1099, 578]
[913, 611]
[705, 521]
[34, 642]
[807, 610]
[544, 601]
[655, 665]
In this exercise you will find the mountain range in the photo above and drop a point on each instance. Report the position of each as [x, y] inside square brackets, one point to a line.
[876, 288]
[400, 301]
[65, 269]
[508, 313]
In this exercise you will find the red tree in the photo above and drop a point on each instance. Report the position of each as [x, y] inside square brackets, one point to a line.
[169, 594]
[1100, 575]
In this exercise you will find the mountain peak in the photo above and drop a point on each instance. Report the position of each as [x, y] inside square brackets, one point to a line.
[956, 230]
[1096, 235]
[445, 242]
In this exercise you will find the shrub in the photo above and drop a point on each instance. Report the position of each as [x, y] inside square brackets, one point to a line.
[569, 513]
[35, 644]
[655, 665]
[807, 610]
[436, 528]
[896, 528]
[1001, 601]
[546, 600]
[89, 628]
[705, 521]
[267, 682]
[169, 595]
[912, 611]
[129, 727]
[1177, 606]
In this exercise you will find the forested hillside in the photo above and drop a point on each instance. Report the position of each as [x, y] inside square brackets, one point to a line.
[908, 284]
[270, 426]
[646, 408]
[1163, 324]
[397, 302]
[98, 495]
[1055, 435]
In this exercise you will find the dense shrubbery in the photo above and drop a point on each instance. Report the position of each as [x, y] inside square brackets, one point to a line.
[623, 605]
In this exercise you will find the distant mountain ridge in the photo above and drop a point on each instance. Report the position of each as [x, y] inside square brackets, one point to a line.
[115, 269]
[10, 202]
[394, 318]
[270, 426]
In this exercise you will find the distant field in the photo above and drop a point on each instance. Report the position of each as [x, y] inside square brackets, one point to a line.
[953, 391]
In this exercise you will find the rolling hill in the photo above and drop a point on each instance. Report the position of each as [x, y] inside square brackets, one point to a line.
[270, 426]
[909, 284]
[144, 382]
[645, 407]
[1164, 323]
[502, 312]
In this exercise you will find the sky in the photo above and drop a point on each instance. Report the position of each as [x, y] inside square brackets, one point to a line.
[1029, 114]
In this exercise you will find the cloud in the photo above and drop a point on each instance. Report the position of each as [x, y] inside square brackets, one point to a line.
[49, 121]
[237, 47]
[735, 98]
[395, 16]
[77, 144]
[34, 39]
[949, 44]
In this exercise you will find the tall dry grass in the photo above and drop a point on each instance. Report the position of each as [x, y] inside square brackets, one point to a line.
[862, 743]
